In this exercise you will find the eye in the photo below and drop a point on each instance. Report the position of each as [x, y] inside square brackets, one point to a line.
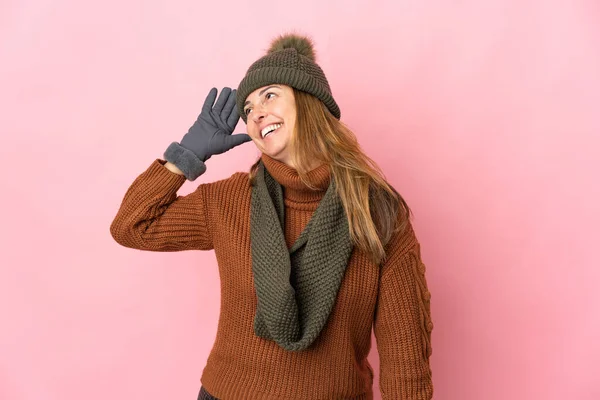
[247, 110]
[269, 94]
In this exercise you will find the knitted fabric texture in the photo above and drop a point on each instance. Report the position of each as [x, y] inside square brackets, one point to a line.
[391, 299]
[288, 66]
[296, 288]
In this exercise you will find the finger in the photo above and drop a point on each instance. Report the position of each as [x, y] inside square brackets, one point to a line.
[229, 106]
[236, 140]
[210, 100]
[233, 119]
[221, 100]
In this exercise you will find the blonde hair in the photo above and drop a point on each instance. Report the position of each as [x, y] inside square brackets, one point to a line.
[375, 210]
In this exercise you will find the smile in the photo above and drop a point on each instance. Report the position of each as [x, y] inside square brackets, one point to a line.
[269, 129]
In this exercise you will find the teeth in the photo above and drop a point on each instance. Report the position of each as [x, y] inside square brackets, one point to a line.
[269, 129]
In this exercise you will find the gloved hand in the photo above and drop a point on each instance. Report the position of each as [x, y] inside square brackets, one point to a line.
[211, 134]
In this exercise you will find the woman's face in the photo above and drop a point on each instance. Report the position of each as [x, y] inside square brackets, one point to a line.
[270, 107]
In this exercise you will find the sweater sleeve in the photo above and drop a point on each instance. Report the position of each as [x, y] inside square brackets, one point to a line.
[152, 217]
[403, 323]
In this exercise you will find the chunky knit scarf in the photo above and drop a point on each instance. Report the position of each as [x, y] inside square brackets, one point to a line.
[296, 287]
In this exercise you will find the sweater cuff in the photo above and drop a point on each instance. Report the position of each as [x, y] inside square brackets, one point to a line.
[191, 166]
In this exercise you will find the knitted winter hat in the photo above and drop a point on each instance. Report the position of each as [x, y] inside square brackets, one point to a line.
[290, 61]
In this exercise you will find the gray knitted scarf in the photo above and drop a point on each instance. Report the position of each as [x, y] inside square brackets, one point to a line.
[296, 287]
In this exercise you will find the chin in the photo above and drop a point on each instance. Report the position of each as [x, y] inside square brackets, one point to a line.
[274, 151]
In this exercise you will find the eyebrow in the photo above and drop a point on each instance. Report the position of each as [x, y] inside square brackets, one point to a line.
[262, 91]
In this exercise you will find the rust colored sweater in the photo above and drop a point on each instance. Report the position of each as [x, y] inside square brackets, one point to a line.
[393, 298]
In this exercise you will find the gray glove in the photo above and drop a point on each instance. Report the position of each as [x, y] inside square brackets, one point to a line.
[211, 134]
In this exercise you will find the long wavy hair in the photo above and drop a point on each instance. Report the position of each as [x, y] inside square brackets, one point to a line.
[375, 210]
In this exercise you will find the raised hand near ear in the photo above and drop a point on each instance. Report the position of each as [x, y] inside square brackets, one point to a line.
[211, 134]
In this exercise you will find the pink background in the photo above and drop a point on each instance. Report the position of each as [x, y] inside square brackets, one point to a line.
[483, 114]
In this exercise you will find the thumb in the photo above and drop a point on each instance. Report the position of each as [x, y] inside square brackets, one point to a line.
[236, 140]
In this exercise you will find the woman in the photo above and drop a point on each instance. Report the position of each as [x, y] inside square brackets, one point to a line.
[314, 247]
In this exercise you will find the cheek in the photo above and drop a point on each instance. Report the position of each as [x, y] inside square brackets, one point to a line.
[290, 119]
[290, 128]
[253, 132]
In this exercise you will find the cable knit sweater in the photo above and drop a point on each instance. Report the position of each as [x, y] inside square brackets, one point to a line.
[391, 298]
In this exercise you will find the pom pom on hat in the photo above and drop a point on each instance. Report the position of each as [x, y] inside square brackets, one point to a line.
[302, 44]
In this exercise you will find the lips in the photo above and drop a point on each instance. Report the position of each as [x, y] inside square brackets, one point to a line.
[270, 133]
[269, 129]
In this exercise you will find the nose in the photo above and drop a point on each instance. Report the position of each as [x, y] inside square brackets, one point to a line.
[258, 113]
